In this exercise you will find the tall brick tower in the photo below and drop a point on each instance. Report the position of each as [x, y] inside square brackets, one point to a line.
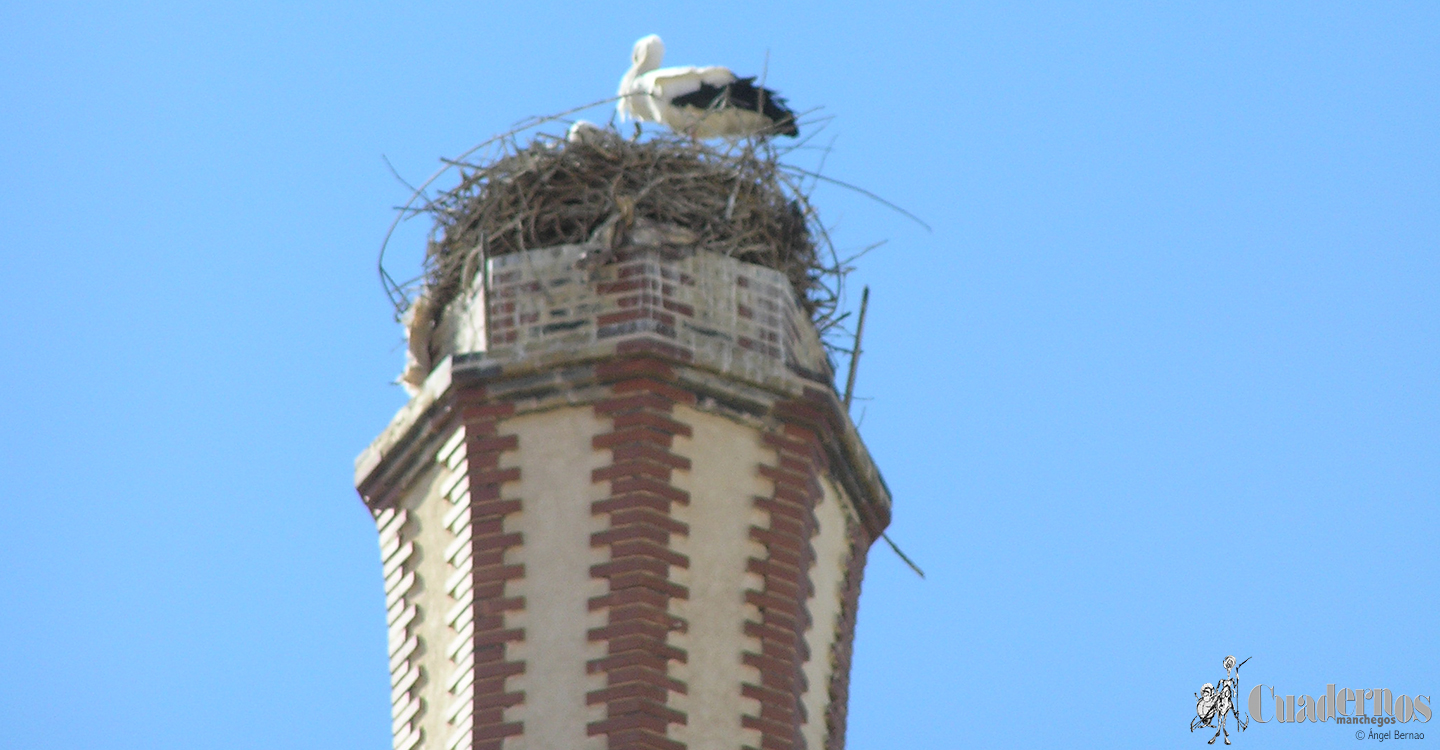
[624, 509]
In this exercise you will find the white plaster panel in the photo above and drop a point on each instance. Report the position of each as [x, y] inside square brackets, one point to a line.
[555, 457]
[723, 480]
[427, 506]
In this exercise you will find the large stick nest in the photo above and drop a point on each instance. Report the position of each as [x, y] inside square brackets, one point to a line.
[737, 199]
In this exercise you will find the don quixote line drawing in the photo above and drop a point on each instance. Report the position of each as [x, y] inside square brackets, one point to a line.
[1215, 703]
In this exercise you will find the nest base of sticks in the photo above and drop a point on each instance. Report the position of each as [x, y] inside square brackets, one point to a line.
[610, 193]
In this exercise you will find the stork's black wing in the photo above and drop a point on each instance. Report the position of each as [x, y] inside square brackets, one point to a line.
[742, 93]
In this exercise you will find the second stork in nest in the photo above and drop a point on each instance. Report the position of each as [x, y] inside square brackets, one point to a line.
[709, 102]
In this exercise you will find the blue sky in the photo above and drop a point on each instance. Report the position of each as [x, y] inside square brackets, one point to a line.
[1160, 387]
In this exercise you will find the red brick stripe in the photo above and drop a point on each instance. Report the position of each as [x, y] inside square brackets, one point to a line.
[784, 572]
[637, 603]
[489, 542]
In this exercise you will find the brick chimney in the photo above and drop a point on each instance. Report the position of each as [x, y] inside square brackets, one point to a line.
[626, 510]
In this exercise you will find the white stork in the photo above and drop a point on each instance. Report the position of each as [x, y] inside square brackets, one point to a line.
[706, 102]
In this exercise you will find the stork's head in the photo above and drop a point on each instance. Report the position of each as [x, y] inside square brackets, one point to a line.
[648, 53]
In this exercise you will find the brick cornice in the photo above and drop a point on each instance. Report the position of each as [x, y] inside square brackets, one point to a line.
[558, 381]
[805, 403]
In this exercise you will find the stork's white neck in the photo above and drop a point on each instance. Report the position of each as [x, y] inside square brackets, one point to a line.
[647, 55]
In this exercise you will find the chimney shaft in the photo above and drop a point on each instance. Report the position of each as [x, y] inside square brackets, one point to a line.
[625, 510]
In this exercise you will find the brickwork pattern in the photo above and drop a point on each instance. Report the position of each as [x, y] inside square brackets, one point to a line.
[396, 550]
[639, 589]
[459, 590]
[489, 574]
[786, 586]
[708, 306]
